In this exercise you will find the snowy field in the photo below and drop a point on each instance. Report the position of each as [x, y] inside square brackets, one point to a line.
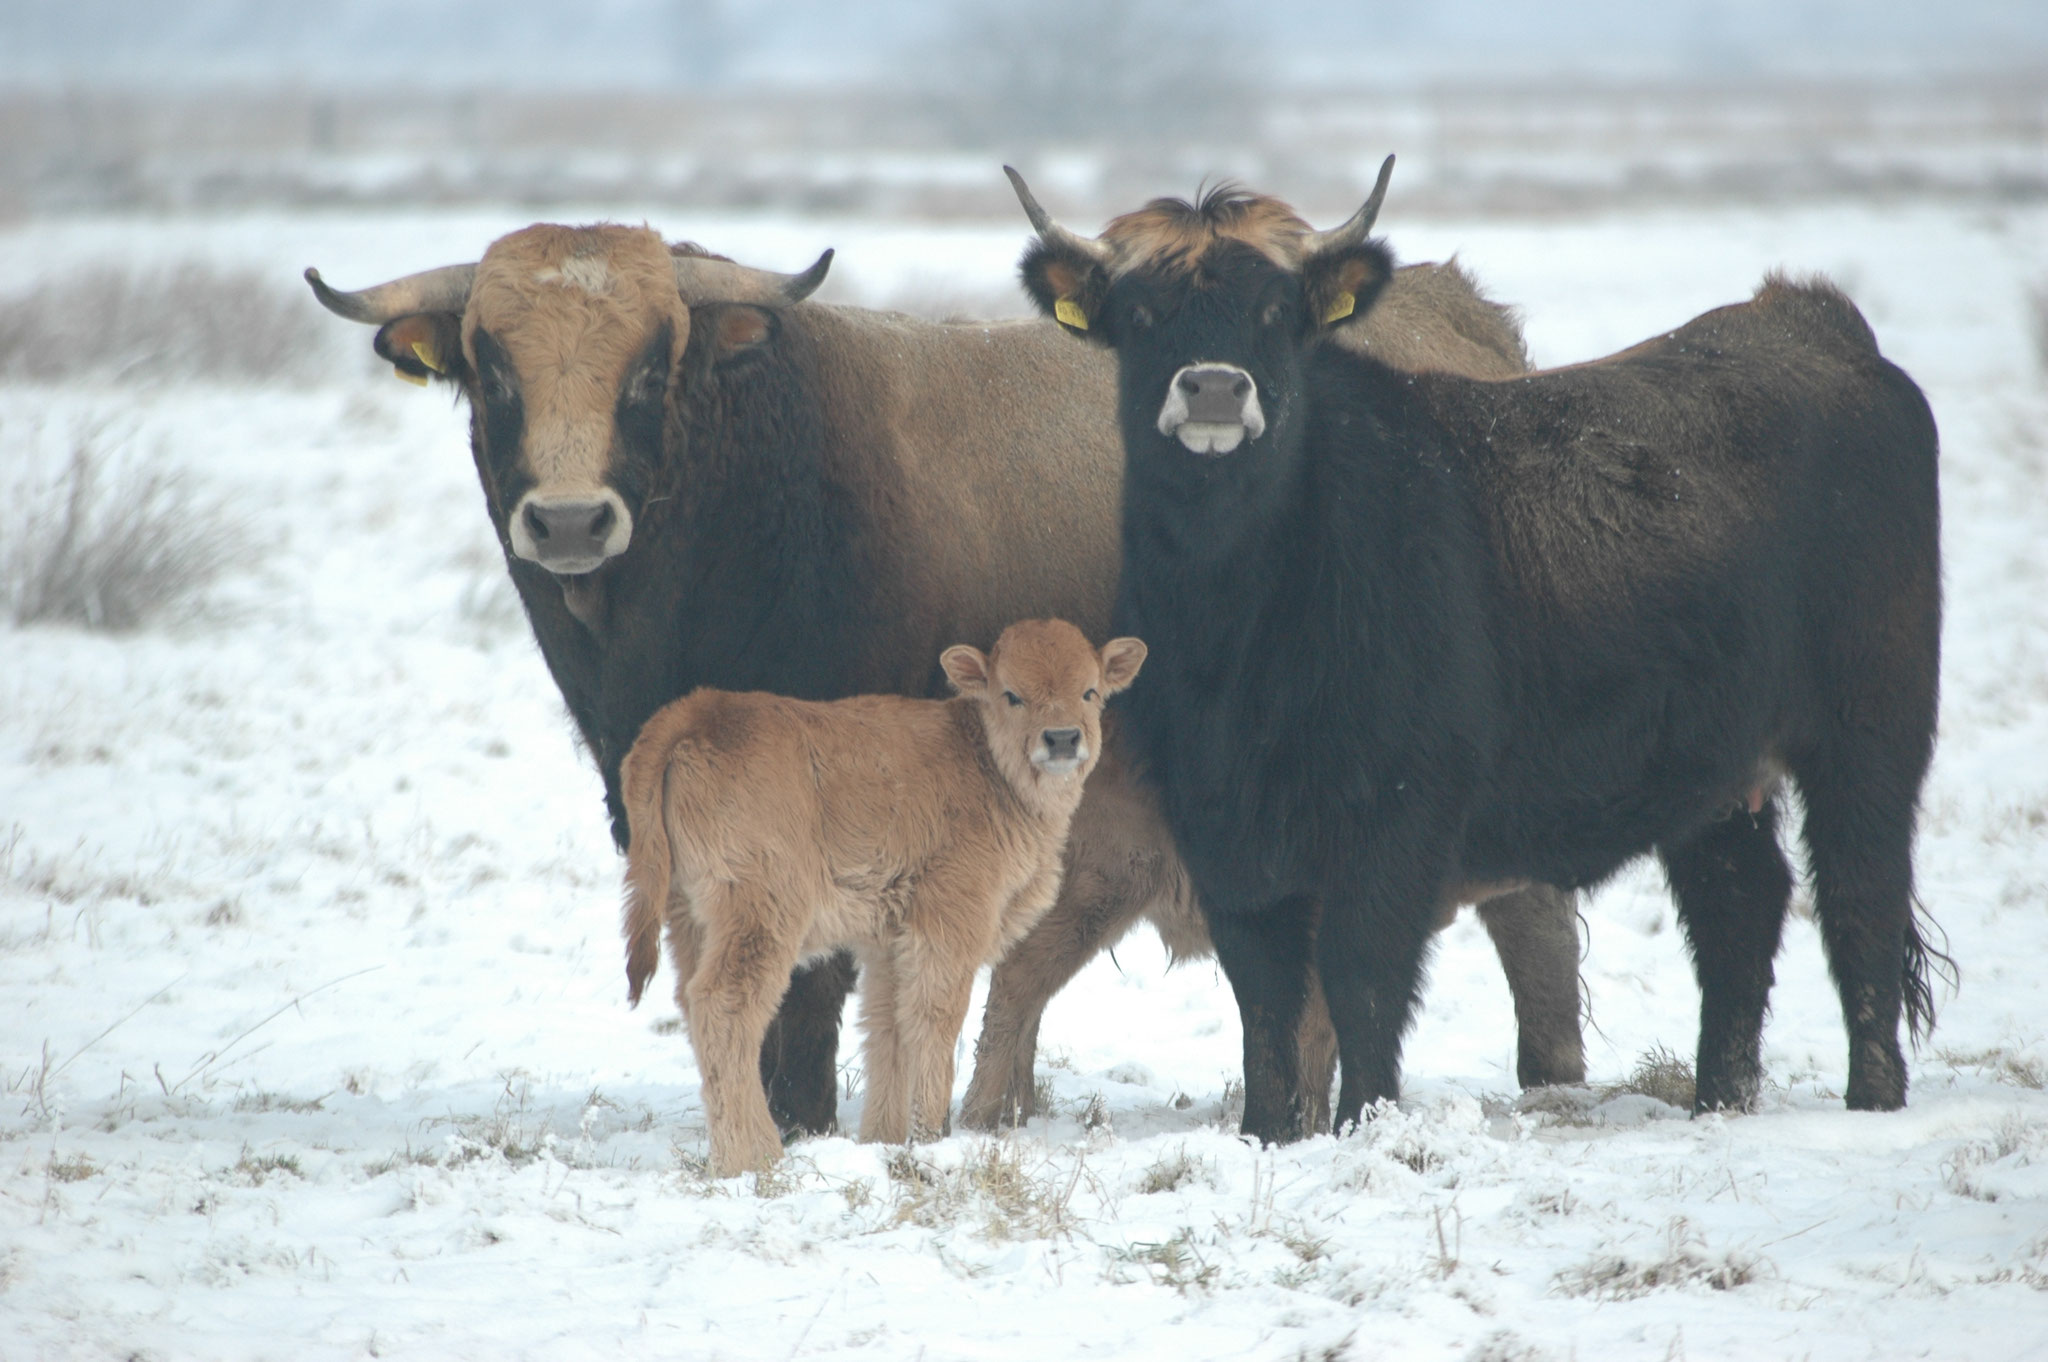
[315, 1038]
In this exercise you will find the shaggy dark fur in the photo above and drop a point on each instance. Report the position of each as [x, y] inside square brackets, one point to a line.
[1428, 630]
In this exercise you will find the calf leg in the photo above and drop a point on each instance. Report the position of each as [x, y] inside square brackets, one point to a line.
[885, 1113]
[1266, 955]
[742, 971]
[932, 994]
[1732, 885]
[1535, 932]
[800, 1054]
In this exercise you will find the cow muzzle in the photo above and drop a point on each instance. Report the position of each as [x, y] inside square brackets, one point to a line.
[571, 535]
[1060, 751]
[1212, 408]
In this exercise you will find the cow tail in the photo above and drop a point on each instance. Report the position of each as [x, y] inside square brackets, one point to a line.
[1922, 960]
[645, 778]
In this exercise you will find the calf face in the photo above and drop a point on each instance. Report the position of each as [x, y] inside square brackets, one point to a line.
[1041, 691]
[566, 340]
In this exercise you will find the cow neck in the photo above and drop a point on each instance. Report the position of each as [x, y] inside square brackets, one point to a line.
[761, 543]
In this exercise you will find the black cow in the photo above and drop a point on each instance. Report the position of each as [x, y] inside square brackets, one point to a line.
[1411, 631]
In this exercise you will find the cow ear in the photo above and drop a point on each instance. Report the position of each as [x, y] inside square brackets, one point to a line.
[1068, 286]
[422, 346]
[1121, 658]
[967, 668]
[739, 328]
[1344, 282]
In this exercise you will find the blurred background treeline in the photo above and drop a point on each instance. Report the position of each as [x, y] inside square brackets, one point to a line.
[903, 107]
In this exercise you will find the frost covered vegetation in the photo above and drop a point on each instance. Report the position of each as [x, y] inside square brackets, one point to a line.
[318, 1044]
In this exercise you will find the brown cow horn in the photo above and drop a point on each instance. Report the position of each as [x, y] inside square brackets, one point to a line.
[701, 279]
[1049, 231]
[1354, 231]
[442, 290]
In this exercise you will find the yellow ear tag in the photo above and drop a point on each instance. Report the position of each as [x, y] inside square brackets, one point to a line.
[1341, 308]
[1069, 311]
[417, 380]
[427, 357]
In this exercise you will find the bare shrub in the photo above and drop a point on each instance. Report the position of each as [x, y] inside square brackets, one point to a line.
[112, 543]
[191, 320]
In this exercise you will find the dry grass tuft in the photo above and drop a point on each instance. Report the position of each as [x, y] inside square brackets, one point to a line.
[1685, 1263]
[188, 321]
[1660, 1074]
[1013, 1199]
[111, 543]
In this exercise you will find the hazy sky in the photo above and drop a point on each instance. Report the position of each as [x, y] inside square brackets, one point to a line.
[650, 43]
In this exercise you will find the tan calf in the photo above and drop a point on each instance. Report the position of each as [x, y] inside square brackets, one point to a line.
[925, 835]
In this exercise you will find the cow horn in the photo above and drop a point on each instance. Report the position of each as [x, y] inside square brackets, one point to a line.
[1050, 232]
[442, 290]
[701, 279]
[1354, 231]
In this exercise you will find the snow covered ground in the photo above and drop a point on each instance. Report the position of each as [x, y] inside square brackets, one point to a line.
[312, 1015]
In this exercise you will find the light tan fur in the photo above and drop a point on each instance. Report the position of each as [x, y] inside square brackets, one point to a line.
[925, 835]
[1172, 235]
[572, 307]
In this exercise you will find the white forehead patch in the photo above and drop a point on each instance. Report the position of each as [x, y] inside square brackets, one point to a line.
[587, 272]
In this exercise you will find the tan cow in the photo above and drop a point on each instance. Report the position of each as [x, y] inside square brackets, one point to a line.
[925, 835]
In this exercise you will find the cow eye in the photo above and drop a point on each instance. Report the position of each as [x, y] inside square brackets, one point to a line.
[1273, 313]
[1141, 317]
[499, 387]
[1013, 698]
[1090, 695]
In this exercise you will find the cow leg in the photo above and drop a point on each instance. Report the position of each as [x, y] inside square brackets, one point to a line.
[800, 1054]
[1266, 955]
[1535, 932]
[1094, 909]
[1371, 962]
[1859, 841]
[742, 971]
[1317, 1040]
[1732, 886]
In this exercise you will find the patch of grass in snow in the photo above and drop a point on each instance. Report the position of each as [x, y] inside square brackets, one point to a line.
[71, 1168]
[1013, 1198]
[260, 1101]
[113, 542]
[1999, 1063]
[256, 1169]
[1171, 1172]
[1658, 1074]
[1177, 1262]
[1685, 1262]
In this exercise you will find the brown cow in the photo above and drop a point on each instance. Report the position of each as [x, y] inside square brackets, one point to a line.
[925, 835]
[814, 501]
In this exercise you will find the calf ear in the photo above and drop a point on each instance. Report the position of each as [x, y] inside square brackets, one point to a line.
[426, 344]
[1068, 286]
[1121, 658]
[1345, 281]
[966, 668]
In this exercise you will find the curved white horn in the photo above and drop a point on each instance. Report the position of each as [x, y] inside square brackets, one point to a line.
[1049, 231]
[701, 279]
[1353, 231]
[441, 290]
